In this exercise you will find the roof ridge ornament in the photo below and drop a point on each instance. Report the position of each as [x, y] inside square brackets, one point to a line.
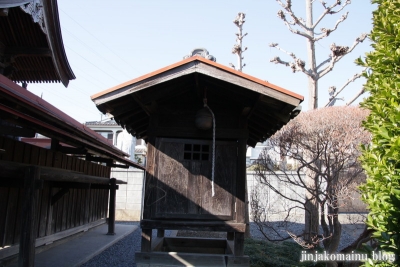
[35, 9]
[201, 52]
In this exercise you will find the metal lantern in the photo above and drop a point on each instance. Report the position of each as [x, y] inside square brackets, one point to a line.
[204, 120]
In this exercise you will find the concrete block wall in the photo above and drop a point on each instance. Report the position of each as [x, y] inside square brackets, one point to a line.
[276, 207]
[128, 196]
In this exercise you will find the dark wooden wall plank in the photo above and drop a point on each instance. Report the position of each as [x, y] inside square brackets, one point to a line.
[224, 178]
[49, 158]
[70, 211]
[27, 154]
[50, 211]
[44, 209]
[42, 157]
[11, 215]
[19, 213]
[65, 211]
[4, 198]
[172, 179]
[18, 152]
[84, 196]
[64, 161]
[77, 205]
[36, 155]
[74, 208]
[60, 209]
[2, 155]
[195, 184]
[68, 165]
[71, 193]
[57, 158]
[8, 146]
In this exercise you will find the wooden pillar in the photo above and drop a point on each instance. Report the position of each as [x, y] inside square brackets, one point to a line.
[247, 214]
[150, 177]
[239, 244]
[230, 235]
[111, 212]
[146, 240]
[160, 232]
[26, 257]
[240, 196]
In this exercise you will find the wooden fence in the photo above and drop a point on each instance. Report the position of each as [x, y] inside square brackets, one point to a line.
[63, 206]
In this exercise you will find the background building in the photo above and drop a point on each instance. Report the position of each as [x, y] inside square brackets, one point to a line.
[129, 196]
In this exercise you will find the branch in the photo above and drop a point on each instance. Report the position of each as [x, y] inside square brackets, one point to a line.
[364, 237]
[355, 77]
[328, 10]
[324, 62]
[338, 52]
[326, 32]
[296, 65]
[362, 91]
[296, 20]
[288, 24]
[283, 50]
[300, 241]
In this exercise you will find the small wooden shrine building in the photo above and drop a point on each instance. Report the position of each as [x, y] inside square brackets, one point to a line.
[45, 194]
[189, 184]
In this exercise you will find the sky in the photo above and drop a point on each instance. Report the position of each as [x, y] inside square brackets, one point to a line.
[110, 42]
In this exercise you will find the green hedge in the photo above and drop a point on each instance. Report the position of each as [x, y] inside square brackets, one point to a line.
[381, 159]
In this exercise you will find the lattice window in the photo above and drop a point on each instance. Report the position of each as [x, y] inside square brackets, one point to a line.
[196, 152]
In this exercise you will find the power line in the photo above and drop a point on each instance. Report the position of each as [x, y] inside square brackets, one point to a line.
[66, 98]
[97, 53]
[92, 63]
[95, 79]
[111, 50]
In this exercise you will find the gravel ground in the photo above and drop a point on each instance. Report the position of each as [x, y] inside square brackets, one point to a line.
[122, 254]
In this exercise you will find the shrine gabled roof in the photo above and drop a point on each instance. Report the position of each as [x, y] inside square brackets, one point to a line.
[31, 45]
[266, 107]
[150, 75]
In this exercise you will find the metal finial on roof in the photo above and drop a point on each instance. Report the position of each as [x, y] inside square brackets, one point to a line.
[201, 52]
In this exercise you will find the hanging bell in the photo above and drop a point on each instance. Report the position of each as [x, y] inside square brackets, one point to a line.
[204, 119]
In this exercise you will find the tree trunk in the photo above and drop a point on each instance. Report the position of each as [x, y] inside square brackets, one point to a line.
[311, 205]
[331, 264]
[312, 81]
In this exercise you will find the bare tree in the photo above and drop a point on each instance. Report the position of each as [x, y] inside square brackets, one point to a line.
[321, 146]
[238, 48]
[314, 69]
[308, 29]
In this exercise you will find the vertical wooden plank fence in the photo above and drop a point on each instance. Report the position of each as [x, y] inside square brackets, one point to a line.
[58, 206]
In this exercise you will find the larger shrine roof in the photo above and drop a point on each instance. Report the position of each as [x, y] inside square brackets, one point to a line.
[31, 45]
